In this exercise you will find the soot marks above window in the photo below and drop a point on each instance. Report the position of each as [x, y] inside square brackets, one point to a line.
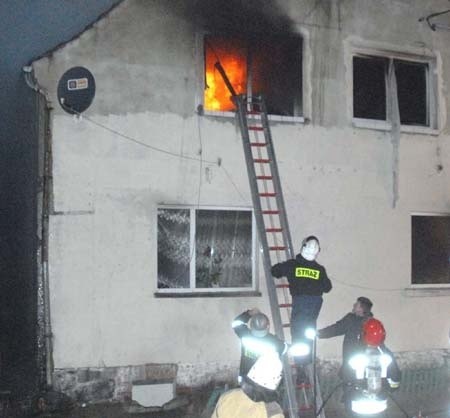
[371, 95]
[268, 66]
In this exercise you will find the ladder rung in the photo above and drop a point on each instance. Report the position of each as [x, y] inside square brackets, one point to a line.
[286, 325]
[282, 286]
[255, 128]
[264, 177]
[253, 112]
[304, 385]
[285, 305]
[270, 212]
[261, 160]
[268, 194]
[258, 144]
[277, 248]
[274, 229]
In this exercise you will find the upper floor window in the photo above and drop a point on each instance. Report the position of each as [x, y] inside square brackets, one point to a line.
[384, 84]
[265, 65]
[202, 249]
[430, 235]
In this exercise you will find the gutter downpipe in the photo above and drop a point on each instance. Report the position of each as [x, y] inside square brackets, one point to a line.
[45, 335]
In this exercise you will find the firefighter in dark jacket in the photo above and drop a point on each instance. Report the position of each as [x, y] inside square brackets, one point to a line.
[350, 327]
[252, 328]
[308, 280]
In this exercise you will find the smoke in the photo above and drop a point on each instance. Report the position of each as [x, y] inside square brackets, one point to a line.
[246, 17]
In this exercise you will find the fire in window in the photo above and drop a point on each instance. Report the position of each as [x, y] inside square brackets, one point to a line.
[271, 67]
[372, 96]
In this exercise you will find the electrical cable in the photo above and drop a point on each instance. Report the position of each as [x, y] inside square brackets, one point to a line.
[398, 289]
[434, 26]
[131, 139]
[328, 398]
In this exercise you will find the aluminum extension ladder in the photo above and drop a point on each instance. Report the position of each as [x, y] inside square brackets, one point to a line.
[274, 235]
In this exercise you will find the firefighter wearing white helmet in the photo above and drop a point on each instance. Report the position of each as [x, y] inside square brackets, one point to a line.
[252, 328]
[256, 397]
[308, 280]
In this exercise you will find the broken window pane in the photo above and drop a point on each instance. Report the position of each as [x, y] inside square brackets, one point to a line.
[223, 249]
[412, 92]
[430, 249]
[271, 66]
[369, 87]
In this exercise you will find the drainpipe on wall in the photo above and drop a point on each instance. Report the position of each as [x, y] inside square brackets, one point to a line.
[45, 336]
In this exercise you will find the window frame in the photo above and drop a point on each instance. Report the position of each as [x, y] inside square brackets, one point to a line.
[200, 66]
[431, 91]
[217, 291]
[426, 286]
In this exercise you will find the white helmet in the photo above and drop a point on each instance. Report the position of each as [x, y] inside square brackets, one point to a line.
[267, 371]
[310, 248]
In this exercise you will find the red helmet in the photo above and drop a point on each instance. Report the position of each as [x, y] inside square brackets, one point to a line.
[373, 332]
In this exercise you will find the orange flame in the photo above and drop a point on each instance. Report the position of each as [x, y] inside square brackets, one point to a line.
[232, 56]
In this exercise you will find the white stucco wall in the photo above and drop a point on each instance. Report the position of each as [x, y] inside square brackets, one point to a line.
[337, 183]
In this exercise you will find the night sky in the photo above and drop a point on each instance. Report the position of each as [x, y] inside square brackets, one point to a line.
[28, 29]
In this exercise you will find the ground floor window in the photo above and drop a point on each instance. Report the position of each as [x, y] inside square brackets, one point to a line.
[205, 249]
[430, 249]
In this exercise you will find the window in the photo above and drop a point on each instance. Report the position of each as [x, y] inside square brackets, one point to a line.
[381, 83]
[268, 66]
[430, 249]
[201, 249]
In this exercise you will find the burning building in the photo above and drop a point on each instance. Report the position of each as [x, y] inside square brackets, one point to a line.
[152, 244]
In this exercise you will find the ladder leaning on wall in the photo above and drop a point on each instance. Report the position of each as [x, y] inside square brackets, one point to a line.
[275, 239]
[274, 236]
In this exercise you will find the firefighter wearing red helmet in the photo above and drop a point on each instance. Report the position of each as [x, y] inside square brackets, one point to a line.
[373, 332]
[364, 354]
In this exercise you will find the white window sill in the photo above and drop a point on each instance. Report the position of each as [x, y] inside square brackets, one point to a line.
[424, 291]
[172, 293]
[273, 118]
[380, 125]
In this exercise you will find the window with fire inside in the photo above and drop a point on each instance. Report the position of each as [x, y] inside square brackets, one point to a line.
[270, 67]
[389, 89]
[205, 250]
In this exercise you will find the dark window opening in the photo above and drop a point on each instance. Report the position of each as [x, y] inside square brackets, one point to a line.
[430, 249]
[369, 88]
[412, 92]
[371, 97]
[268, 66]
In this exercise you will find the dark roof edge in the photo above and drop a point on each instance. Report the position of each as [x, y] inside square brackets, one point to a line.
[87, 27]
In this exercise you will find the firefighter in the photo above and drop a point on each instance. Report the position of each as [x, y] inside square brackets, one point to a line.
[252, 328]
[308, 280]
[368, 368]
[256, 398]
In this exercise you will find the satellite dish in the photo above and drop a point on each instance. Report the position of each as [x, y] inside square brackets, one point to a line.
[76, 90]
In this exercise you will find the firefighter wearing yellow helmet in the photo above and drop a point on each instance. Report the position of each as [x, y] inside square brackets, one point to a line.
[254, 399]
